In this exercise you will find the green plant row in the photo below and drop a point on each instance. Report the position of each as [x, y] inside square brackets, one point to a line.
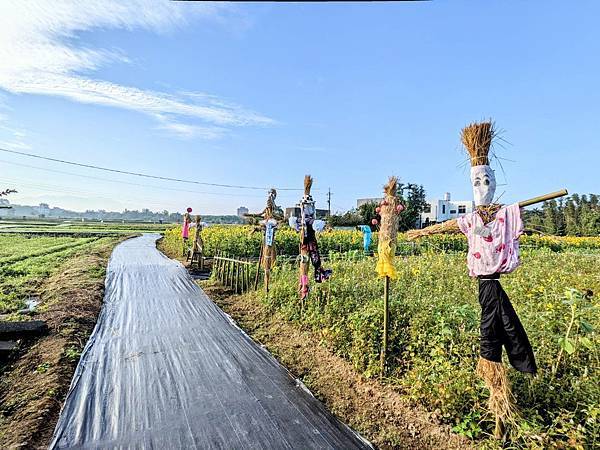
[434, 334]
[243, 241]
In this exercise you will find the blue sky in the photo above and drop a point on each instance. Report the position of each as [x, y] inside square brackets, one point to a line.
[260, 94]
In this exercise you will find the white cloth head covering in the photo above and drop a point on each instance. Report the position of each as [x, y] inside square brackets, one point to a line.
[483, 181]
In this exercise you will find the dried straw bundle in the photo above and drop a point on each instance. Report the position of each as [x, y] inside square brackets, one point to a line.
[448, 227]
[389, 213]
[477, 139]
[501, 402]
[308, 181]
[488, 212]
[388, 230]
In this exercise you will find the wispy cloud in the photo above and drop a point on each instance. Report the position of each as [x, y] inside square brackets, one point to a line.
[40, 54]
[11, 137]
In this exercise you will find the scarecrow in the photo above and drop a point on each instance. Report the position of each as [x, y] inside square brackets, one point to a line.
[185, 229]
[195, 253]
[493, 232]
[308, 225]
[270, 216]
[367, 237]
[389, 212]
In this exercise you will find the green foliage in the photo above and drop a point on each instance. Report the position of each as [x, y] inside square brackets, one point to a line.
[368, 213]
[25, 261]
[413, 198]
[434, 336]
[572, 216]
[72, 354]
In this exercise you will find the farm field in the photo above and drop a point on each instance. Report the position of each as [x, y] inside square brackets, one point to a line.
[66, 276]
[26, 261]
[74, 227]
[434, 337]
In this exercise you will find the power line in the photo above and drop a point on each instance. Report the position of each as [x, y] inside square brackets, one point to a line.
[130, 183]
[137, 174]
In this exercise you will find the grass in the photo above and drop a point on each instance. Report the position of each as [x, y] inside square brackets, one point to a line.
[77, 227]
[70, 284]
[26, 261]
[434, 337]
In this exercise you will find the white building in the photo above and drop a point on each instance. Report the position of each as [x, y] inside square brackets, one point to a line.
[440, 210]
[363, 201]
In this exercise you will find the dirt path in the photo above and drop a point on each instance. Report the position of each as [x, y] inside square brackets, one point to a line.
[166, 368]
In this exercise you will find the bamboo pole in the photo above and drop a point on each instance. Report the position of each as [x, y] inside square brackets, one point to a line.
[386, 318]
[258, 267]
[543, 198]
[237, 277]
[220, 269]
[228, 273]
[248, 277]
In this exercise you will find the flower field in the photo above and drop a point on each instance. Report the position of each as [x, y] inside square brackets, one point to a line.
[241, 241]
[434, 330]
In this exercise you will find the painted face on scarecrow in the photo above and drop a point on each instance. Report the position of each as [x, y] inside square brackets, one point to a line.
[308, 207]
[483, 181]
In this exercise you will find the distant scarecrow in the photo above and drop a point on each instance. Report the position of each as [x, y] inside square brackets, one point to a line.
[270, 216]
[493, 232]
[308, 225]
[185, 229]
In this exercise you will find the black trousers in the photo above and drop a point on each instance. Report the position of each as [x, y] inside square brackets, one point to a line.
[500, 326]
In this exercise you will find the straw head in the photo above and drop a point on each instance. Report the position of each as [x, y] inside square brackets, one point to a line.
[477, 139]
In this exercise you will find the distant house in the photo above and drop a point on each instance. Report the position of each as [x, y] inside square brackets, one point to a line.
[241, 211]
[440, 210]
[295, 211]
[364, 201]
[43, 209]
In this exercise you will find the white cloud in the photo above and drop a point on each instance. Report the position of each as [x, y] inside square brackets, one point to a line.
[40, 54]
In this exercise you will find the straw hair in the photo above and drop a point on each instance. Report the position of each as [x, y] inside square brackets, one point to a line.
[477, 139]
[308, 181]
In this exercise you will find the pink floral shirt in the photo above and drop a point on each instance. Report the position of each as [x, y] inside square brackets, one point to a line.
[493, 248]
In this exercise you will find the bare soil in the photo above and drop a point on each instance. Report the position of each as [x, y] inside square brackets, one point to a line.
[34, 385]
[372, 408]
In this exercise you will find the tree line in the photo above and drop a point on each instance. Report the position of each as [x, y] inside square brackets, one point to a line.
[412, 196]
[576, 215]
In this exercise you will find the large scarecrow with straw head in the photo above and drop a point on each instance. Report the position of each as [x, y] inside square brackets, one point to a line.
[308, 225]
[492, 231]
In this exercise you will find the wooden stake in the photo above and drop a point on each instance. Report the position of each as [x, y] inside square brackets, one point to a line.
[386, 299]
[237, 277]
[248, 276]
[258, 267]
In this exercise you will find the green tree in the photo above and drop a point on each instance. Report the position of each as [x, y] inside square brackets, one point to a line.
[413, 199]
[367, 212]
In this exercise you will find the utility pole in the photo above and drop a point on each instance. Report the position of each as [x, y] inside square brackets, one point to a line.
[329, 202]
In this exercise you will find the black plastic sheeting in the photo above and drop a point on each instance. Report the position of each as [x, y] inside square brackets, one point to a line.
[167, 369]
